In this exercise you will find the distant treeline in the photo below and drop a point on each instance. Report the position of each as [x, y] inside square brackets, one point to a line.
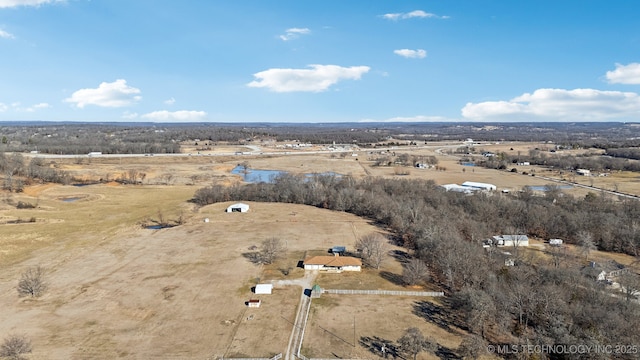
[123, 138]
[535, 302]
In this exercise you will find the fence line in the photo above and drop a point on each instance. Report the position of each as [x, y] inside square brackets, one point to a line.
[277, 357]
[384, 292]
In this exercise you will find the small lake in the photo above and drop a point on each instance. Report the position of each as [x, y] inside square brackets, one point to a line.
[257, 175]
[544, 188]
[267, 176]
[468, 164]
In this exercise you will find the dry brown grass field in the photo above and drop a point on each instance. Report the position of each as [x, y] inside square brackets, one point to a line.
[118, 290]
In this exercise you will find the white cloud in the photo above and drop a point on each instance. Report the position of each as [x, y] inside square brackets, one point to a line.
[413, 14]
[3, 107]
[294, 33]
[6, 35]
[129, 115]
[625, 74]
[16, 107]
[413, 54]
[41, 106]
[182, 115]
[418, 118]
[16, 3]
[115, 94]
[315, 79]
[170, 101]
[559, 105]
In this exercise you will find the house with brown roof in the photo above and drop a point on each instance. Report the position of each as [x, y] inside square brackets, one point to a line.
[332, 263]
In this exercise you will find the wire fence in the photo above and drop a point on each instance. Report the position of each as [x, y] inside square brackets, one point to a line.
[383, 292]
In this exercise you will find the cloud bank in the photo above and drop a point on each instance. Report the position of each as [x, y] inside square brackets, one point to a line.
[315, 79]
[294, 33]
[411, 54]
[115, 94]
[6, 35]
[412, 14]
[16, 3]
[559, 105]
[177, 116]
[625, 74]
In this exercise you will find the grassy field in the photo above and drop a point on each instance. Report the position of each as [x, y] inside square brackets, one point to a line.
[117, 289]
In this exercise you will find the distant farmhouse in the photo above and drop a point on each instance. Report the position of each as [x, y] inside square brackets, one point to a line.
[507, 240]
[334, 263]
[604, 272]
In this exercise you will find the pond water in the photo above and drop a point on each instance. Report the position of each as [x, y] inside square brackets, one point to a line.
[256, 175]
[544, 188]
[266, 176]
[468, 164]
[157, 227]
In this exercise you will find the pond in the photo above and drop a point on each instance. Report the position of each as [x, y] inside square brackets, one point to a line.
[267, 176]
[158, 227]
[468, 164]
[256, 175]
[544, 188]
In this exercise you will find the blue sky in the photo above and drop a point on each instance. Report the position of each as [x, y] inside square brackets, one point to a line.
[319, 61]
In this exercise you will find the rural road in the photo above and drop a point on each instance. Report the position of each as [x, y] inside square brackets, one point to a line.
[297, 333]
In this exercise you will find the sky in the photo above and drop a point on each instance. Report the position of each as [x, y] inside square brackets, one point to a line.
[319, 60]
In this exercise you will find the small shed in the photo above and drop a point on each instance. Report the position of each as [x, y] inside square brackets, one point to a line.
[254, 303]
[238, 207]
[264, 288]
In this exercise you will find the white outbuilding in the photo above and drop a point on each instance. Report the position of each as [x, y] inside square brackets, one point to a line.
[238, 207]
[479, 185]
[264, 288]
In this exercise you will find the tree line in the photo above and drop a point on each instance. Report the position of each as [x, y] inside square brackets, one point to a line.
[535, 302]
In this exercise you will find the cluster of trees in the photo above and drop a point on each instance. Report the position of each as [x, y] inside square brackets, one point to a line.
[17, 172]
[538, 303]
[595, 162]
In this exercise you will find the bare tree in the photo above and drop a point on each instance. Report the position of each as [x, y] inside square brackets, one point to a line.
[472, 347]
[415, 272]
[374, 249]
[630, 285]
[272, 249]
[414, 342]
[585, 240]
[14, 346]
[32, 282]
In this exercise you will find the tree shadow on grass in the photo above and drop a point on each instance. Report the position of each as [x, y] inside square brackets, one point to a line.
[381, 347]
[402, 256]
[436, 314]
[254, 257]
[393, 278]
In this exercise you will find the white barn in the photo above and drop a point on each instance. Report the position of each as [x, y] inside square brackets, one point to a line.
[479, 185]
[510, 240]
[459, 188]
[264, 288]
[238, 207]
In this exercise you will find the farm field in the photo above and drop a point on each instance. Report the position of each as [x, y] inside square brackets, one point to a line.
[119, 290]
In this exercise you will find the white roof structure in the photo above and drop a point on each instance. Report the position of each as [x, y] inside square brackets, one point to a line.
[264, 288]
[458, 188]
[238, 207]
[479, 185]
